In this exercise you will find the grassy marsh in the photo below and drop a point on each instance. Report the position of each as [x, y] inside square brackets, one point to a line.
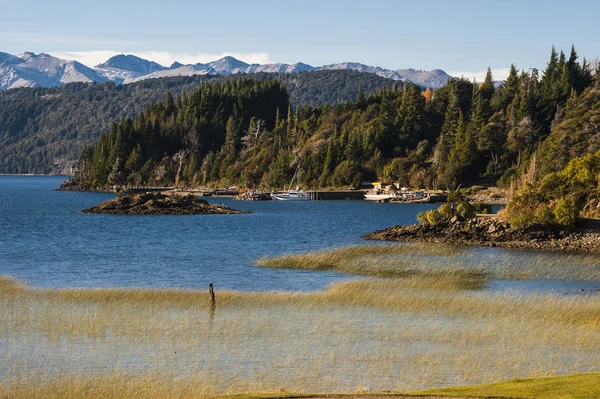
[440, 260]
[374, 334]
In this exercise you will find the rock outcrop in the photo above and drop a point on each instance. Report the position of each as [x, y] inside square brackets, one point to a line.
[492, 232]
[160, 204]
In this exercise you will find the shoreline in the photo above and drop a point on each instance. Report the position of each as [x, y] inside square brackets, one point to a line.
[491, 232]
[31, 174]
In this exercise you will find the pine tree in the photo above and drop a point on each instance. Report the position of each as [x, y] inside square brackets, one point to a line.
[360, 99]
[452, 115]
[552, 71]
[486, 92]
[134, 160]
[511, 87]
[411, 116]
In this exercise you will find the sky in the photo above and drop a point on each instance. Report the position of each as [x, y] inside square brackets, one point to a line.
[463, 38]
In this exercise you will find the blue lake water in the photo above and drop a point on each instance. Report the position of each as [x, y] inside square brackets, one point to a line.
[46, 242]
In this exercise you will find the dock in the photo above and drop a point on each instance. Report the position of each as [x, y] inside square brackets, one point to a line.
[336, 195]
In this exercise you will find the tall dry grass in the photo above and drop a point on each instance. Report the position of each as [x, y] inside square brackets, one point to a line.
[377, 334]
[405, 260]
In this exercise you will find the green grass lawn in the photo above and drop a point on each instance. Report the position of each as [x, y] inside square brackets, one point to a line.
[577, 386]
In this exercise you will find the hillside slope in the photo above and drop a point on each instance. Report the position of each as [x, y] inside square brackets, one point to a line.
[42, 130]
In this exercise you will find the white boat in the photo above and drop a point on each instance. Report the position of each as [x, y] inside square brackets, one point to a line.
[291, 195]
[379, 196]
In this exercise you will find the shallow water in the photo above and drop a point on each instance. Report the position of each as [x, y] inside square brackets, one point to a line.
[46, 242]
[297, 348]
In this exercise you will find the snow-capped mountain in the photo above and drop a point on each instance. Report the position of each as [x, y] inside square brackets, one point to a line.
[228, 65]
[125, 68]
[355, 66]
[176, 69]
[280, 68]
[434, 78]
[42, 70]
[34, 70]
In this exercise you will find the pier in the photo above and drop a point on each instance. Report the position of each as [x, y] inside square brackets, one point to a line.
[336, 195]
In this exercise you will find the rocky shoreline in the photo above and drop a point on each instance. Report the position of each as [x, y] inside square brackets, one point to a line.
[492, 232]
[159, 204]
[72, 185]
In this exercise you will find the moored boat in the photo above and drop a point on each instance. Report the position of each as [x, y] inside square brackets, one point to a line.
[291, 195]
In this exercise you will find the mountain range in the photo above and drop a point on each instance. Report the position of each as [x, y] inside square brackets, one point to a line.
[44, 70]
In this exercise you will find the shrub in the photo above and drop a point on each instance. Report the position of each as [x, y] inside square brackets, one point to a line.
[422, 218]
[456, 196]
[431, 217]
[520, 213]
[446, 211]
[550, 184]
[465, 210]
[544, 215]
[566, 212]
[434, 217]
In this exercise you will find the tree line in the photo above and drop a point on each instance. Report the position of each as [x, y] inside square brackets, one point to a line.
[245, 132]
[41, 127]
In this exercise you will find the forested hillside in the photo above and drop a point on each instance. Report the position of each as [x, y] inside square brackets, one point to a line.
[40, 127]
[462, 133]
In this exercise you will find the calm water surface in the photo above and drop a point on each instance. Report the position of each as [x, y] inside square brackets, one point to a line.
[46, 242]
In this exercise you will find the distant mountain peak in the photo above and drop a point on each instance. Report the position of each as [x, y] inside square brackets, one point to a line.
[132, 63]
[27, 55]
[30, 69]
[228, 64]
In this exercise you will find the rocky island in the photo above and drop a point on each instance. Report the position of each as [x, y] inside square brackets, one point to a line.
[491, 231]
[160, 204]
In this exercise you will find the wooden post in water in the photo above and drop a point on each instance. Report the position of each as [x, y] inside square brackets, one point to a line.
[213, 303]
[211, 292]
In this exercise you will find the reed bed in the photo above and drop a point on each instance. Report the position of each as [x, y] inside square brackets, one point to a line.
[438, 260]
[375, 334]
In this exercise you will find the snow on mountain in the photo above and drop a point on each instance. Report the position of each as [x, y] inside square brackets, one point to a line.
[124, 68]
[11, 78]
[182, 70]
[228, 65]
[299, 67]
[279, 68]
[132, 63]
[355, 66]
[434, 78]
[43, 70]
[31, 70]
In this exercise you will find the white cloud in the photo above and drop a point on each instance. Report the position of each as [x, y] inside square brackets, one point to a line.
[95, 57]
[497, 73]
[89, 58]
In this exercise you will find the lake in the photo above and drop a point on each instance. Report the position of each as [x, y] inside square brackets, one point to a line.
[46, 242]
[531, 319]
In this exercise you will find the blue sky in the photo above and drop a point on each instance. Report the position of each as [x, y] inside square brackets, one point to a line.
[461, 37]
